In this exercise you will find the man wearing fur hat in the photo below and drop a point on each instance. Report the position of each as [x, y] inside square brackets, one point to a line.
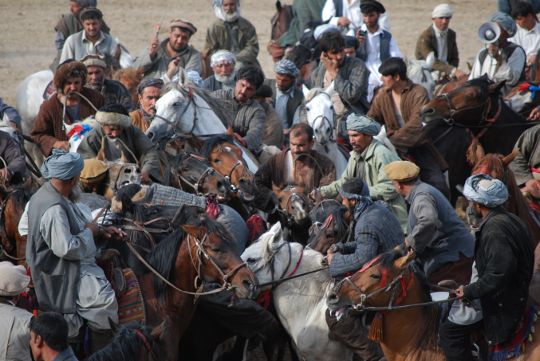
[232, 32]
[65, 107]
[441, 40]
[14, 332]
[172, 54]
[113, 91]
[117, 138]
[91, 40]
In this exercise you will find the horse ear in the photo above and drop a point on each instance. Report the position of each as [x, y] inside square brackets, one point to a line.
[330, 89]
[507, 159]
[496, 87]
[402, 262]
[430, 59]
[236, 150]
[229, 132]
[158, 330]
[305, 90]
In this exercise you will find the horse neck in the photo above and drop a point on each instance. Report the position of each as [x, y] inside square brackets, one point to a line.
[207, 121]
[502, 140]
[184, 274]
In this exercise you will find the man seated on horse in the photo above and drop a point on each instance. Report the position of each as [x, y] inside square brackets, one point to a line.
[504, 259]
[61, 251]
[349, 76]
[367, 161]
[526, 165]
[287, 95]
[232, 32]
[10, 122]
[443, 244]
[91, 40]
[49, 338]
[398, 107]
[149, 91]
[12, 163]
[222, 63]
[113, 91]
[14, 333]
[175, 52]
[116, 138]
[500, 59]
[248, 115]
[528, 30]
[440, 40]
[72, 103]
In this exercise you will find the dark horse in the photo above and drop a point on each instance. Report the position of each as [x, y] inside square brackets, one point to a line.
[12, 202]
[467, 119]
[332, 230]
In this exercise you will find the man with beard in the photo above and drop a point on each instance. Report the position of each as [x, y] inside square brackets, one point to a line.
[117, 138]
[172, 53]
[149, 91]
[113, 91]
[232, 32]
[367, 161]
[91, 40]
[224, 77]
[298, 166]
[287, 96]
[65, 107]
[61, 249]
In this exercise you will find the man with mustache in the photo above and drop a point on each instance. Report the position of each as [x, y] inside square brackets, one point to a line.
[149, 91]
[65, 107]
[222, 63]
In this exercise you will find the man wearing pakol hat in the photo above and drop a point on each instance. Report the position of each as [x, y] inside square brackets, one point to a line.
[504, 259]
[346, 15]
[367, 161]
[222, 63]
[61, 251]
[149, 91]
[173, 53]
[69, 24]
[500, 59]
[374, 230]
[116, 138]
[113, 91]
[232, 32]
[444, 246]
[14, 332]
[441, 40]
[91, 40]
[287, 96]
[65, 107]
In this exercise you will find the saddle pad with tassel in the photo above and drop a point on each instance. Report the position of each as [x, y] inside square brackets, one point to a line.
[131, 302]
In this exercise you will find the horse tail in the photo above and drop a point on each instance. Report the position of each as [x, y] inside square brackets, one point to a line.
[162, 259]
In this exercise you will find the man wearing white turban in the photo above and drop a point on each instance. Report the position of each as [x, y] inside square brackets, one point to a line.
[61, 251]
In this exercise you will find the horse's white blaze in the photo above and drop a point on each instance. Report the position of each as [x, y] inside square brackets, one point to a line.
[300, 303]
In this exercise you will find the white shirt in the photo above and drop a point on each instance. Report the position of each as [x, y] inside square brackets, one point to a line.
[77, 46]
[352, 12]
[529, 40]
[442, 41]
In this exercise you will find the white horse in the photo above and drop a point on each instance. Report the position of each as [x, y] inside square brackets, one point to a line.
[301, 302]
[320, 116]
[419, 71]
[184, 110]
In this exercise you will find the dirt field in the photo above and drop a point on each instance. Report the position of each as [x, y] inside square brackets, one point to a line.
[27, 41]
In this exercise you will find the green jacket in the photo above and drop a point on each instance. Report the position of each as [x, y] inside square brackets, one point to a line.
[305, 12]
[375, 156]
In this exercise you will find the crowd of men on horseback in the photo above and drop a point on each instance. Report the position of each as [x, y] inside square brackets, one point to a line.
[131, 200]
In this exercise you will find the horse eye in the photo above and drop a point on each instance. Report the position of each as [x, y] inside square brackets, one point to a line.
[251, 260]
[307, 108]
[216, 161]
[176, 104]
[375, 276]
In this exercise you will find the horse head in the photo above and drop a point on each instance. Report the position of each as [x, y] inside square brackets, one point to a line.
[130, 78]
[419, 71]
[320, 113]
[196, 173]
[294, 204]
[169, 110]
[334, 229]
[383, 281]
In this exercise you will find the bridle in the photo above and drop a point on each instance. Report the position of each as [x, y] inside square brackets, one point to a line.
[175, 124]
[291, 197]
[197, 186]
[330, 125]
[244, 173]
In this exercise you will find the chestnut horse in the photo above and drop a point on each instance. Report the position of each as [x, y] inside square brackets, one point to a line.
[12, 202]
[130, 78]
[406, 334]
[293, 210]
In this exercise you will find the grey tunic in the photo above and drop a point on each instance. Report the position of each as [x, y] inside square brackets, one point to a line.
[14, 333]
[528, 156]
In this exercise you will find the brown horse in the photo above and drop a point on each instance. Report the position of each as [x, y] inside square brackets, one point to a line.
[199, 251]
[408, 334]
[12, 202]
[293, 210]
[335, 228]
[130, 78]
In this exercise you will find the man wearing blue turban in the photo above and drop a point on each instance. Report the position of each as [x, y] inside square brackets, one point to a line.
[61, 251]
[504, 259]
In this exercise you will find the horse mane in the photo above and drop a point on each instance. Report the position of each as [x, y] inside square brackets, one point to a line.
[319, 213]
[126, 345]
[340, 224]
[212, 142]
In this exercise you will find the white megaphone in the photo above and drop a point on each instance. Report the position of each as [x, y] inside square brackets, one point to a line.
[489, 32]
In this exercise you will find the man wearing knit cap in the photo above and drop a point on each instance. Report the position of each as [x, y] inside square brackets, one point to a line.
[171, 55]
[287, 96]
[61, 251]
[367, 161]
[113, 91]
[444, 246]
[149, 91]
[14, 332]
[504, 258]
[500, 59]
[222, 63]
[91, 40]
[232, 32]
[64, 107]
[117, 138]
[441, 40]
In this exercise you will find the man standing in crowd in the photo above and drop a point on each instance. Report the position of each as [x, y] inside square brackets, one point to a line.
[49, 338]
[149, 92]
[441, 40]
[528, 30]
[173, 52]
[222, 63]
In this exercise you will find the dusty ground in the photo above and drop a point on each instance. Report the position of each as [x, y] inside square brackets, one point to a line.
[27, 40]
